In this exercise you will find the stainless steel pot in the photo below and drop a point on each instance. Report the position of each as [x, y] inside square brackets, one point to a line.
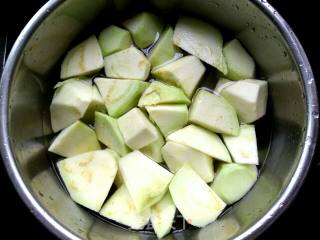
[286, 149]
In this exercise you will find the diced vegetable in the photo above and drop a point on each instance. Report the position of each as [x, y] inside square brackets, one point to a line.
[164, 50]
[84, 59]
[137, 130]
[120, 96]
[233, 181]
[195, 200]
[221, 84]
[114, 39]
[129, 63]
[240, 63]
[120, 208]
[109, 134]
[185, 73]
[147, 181]
[201, 40]
[153, 150]
[96, 105]
[170, 117]
[70, 102]
[177, 155]
[114, 154]
[88, 177]
[152, 176]
[144, 28]
[243, 148]
[75, 139]
[118, 180]
[161, 93]
[162, 216]
[214, 113]
[201, 140]
[248, 97]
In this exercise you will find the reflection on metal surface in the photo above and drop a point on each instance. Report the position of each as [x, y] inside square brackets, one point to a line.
[26, 105]
[224, 228]
[267, 48]
[258, 200]
[285, 149]
[52, 38]
[233, 15]
[3, 51]
[40, 54]
[286, 92]
[102, 231]
[51, 195]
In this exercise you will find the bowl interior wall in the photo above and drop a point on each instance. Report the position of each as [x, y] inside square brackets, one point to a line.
[280, 133]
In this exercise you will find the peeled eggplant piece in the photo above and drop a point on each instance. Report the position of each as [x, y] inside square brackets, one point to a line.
[136, 129]
[120, 208]
[176, 155]
[240, 63]
[233, 181]
[118, 180]
[114, 39]
[109, 134]
[161, 93]
[248, 97]
[153, 150]
[120, 96]
[243, 148]
[146, 181]
[201, 140]
[195, 200]
[69, 103]
[75, 139]
[185, 73]
[221, 84]
[84, 59]
[202, 40]
[129, 63]
[164, 50]
[89, 177]
[169, 117]
[96, 105]
[144, 28]
[213, 112]
[162, 216]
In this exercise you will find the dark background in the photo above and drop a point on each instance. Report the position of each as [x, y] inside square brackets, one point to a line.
[301, 217]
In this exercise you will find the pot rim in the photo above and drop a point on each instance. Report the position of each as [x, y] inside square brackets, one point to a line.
[281, 204]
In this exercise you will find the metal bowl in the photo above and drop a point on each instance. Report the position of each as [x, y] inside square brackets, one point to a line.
[287, 136]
